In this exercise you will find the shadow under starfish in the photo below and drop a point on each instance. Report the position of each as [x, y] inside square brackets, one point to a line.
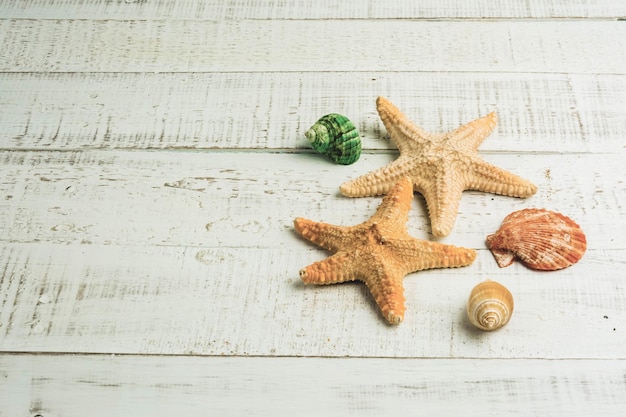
[379, 252]
[440, 166]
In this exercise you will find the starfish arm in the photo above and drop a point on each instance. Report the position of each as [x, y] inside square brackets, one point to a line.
[442, 199]
[400, 129]
[377, 182]
[385, 285]
[469, 136]
[326, 235]
[491, 179]
[393, 212]
[337, 268]
[417, 255]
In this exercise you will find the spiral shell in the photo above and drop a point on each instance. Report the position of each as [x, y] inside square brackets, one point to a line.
[336, 137]
[540, 238]
[490, 305]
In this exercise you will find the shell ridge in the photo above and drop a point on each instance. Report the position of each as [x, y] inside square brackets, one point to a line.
[542, 239]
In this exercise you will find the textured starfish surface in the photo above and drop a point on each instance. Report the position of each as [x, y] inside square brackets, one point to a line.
[441, 166]
[379, 252]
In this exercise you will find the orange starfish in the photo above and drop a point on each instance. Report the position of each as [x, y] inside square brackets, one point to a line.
[378, 252]
[441, 166]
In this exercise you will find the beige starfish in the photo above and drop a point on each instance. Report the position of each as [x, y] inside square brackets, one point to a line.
[378, 252]
[441, 166]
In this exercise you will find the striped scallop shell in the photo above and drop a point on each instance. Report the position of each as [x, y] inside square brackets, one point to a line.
[490, 305]
[336, 137]
[540, 238]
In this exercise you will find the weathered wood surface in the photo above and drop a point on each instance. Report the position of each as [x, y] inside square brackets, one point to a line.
[152, 159]
[213, 199]
[555, 113]
[311, 45]
[235, 301]
[99, 386]
[171, 245]
[305, 9]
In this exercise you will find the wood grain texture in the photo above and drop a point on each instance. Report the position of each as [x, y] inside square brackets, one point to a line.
[320, 45]
[536, 112]
[193, 386]
[152, 159]
[166, 252]
[214, 198]
[304, 9]
[234, 301]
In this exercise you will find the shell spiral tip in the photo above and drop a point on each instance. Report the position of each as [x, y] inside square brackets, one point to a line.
[490, 306]
[336, 137]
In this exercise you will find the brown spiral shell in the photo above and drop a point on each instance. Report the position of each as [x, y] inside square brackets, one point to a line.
[490, 305]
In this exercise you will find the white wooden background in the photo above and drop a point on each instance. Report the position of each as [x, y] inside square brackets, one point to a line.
[152, 160]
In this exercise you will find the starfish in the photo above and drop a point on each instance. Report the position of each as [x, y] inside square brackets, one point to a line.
[378, 252]
[441, 166]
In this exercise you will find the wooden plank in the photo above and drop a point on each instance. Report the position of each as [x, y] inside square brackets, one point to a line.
[75, 386]
[247, 301]
[316, 45]
[482, 9]
[599, 102]
[249, 199]
[537, 112]
[304, 9]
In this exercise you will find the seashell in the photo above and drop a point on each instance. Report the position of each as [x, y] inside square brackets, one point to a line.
[540, 238]
[336, 137]
[490, 305]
